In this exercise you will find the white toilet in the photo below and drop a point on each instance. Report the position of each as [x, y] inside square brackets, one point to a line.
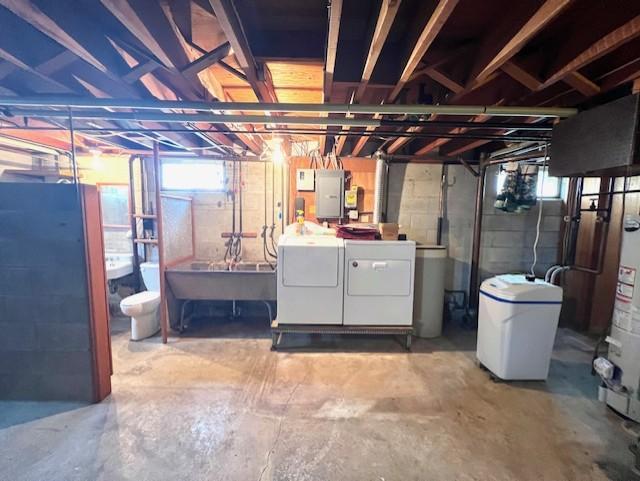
[143, 307]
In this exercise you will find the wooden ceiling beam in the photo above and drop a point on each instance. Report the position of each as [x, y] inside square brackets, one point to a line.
[7, 56]
[429, 33]
[335, 14]
[582, 84]
[258, 78]
[124, 12]
[549, 10]
[30, 13]
[362, 141]
[598, 49]
[207, 60]
[140, 70]
[387, 15]
[6, 69]
[576, 80]
[443, 80]
[520, 75]
[456, 131]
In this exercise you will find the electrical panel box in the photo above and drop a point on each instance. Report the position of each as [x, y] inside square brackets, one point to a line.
[329, 194]
[305, 180]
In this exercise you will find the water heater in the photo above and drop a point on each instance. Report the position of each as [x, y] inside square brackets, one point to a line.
[621, 369]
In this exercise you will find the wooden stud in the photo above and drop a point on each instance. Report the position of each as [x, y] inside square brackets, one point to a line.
[157, 177]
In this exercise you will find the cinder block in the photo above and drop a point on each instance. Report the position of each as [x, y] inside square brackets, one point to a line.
[426, 188]
[551, 223]
[502, 238]
[423, 221]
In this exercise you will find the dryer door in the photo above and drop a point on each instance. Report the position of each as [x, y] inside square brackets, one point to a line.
[379, 278]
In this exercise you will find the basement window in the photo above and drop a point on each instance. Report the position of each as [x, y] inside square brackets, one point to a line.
[546, 188]
[193, 176]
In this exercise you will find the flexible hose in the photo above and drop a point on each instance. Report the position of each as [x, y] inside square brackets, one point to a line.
[535, 243]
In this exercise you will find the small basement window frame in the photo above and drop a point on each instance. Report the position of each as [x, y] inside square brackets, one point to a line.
[193, 175]
[552, 185]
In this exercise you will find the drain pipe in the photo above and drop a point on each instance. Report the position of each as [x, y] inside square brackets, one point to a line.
[477, 234]
[379, 195]
[443, 185]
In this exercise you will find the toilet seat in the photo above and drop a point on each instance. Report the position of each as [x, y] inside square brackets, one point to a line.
[141, 302]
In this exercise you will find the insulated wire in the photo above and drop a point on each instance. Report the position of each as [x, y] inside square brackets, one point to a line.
[535, 244]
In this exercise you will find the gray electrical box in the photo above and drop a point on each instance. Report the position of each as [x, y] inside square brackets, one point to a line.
[329, 194]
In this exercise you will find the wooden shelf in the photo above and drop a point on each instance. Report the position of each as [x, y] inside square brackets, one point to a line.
[145, 241]
[144, 216]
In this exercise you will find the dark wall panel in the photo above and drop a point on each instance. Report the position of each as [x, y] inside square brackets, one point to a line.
[45, 338]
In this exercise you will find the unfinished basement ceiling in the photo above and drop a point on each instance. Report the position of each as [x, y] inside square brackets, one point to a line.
[452, 52]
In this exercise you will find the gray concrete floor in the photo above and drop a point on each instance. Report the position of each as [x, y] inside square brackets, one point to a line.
[218, 405]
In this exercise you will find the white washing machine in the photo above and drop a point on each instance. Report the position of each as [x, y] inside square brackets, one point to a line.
[310, 279]
[379, 279]
[517, 323]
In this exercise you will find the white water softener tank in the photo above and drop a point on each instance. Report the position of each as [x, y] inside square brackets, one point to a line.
[621, 374]
[517, 323]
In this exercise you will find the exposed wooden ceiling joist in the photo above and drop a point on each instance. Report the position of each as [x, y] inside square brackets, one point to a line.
[519, 74]
[387, 15]
[601, 47]
[29, 12]
[140, 70]
[9, 57]
[335, 15]
[444, 80]
[362, 141]
[257, 76]
[124, 12]
[545, 14]
[207, 60]
[582, 84]
[432, 28]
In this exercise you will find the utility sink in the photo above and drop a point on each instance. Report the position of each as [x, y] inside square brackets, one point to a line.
[118, 265]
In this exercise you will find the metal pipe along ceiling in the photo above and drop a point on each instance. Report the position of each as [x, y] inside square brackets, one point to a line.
[146, 116]
[389, 109]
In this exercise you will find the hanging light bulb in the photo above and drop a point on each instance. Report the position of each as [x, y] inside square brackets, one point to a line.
[96, 161]
[277, 154]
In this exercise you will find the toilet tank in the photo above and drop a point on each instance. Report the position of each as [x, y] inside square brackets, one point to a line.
[150, 272]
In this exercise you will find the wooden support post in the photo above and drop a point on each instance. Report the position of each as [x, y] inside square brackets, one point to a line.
[157, 178]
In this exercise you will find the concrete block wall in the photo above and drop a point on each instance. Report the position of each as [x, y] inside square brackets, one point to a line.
[44, 308]
[413, 199]
[213, 213]
[507, 239]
